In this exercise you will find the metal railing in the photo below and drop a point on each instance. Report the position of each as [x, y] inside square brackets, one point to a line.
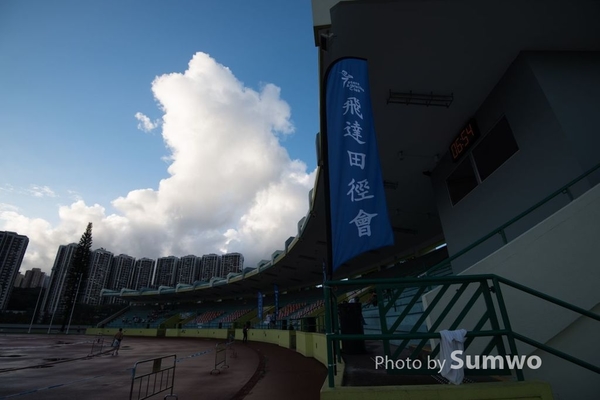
[97, 345]
[112, 317]
[501, 230]
[153, 376]
[221, 355]
[477, 296]
[220, 358]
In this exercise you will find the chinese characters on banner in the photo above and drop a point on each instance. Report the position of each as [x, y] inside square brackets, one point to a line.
[359, 216]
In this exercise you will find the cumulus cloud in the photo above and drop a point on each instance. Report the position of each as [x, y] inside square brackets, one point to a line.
[231, 186]
[43, 239]
[145, 124]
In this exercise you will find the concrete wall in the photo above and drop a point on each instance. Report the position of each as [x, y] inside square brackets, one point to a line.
[320, 12]
[279, 337]
[311, 344]
[110, 332]
[547, 158]
[558, 257]
[574, 341]
[200, 333]
[320, 348]
[571, 83]
[304, 343]
[477, 391]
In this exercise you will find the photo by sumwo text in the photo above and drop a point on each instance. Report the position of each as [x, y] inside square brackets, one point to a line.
[457, 362]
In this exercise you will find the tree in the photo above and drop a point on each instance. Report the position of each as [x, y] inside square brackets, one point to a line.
[77, 273]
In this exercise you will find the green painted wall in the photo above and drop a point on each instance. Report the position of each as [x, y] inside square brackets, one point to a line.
[199, 333]
[110, 332]
[475, 391]
[311, 344]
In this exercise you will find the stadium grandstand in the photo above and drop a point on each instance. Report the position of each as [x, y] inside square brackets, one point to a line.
[485, 116]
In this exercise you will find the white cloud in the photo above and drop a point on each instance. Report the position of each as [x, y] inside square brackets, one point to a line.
[74, 195]
[41, 191]
[8, 207]
[232, 187]
[32, 190]
[43, 239]
[7, 188]
[145, 124]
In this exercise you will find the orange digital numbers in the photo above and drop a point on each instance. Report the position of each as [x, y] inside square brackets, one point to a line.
[465, 139]
[469, 129]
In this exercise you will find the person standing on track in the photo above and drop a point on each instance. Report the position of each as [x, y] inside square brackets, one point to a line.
[245, 331]
[117, 342]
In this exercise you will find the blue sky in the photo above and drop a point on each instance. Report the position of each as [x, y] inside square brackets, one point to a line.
[74, 74]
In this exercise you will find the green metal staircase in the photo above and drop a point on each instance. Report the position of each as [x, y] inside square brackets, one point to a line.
[409, 328]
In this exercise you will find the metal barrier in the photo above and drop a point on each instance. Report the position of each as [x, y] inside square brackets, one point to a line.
[153, 376]
[230, 342]
[220, 357]
[97, 345]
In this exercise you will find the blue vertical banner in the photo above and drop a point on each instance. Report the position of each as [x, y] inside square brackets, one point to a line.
[260, 306]
[358, 209]
[276, 289]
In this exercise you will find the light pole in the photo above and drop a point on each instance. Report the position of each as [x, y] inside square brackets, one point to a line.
[52, 319]
[74, 302]
[36, 307]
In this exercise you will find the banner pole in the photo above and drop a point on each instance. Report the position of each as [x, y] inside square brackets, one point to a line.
[327, 265]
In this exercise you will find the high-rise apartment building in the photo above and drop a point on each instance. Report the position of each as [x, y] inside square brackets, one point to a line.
[187, 272]
[166, 271]
[231, 262]
[98, 276]
[121, 276]
[19, 280]
[122, 272]
[54, 295]
[143, 273]
[12, 251]
[33, 278]
[211, 265]
[107, 271]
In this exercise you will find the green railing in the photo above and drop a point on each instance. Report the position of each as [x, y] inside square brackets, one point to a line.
[566, 189]
[479, 295]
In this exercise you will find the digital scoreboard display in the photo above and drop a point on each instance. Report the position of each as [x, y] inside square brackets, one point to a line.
[464, 140]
